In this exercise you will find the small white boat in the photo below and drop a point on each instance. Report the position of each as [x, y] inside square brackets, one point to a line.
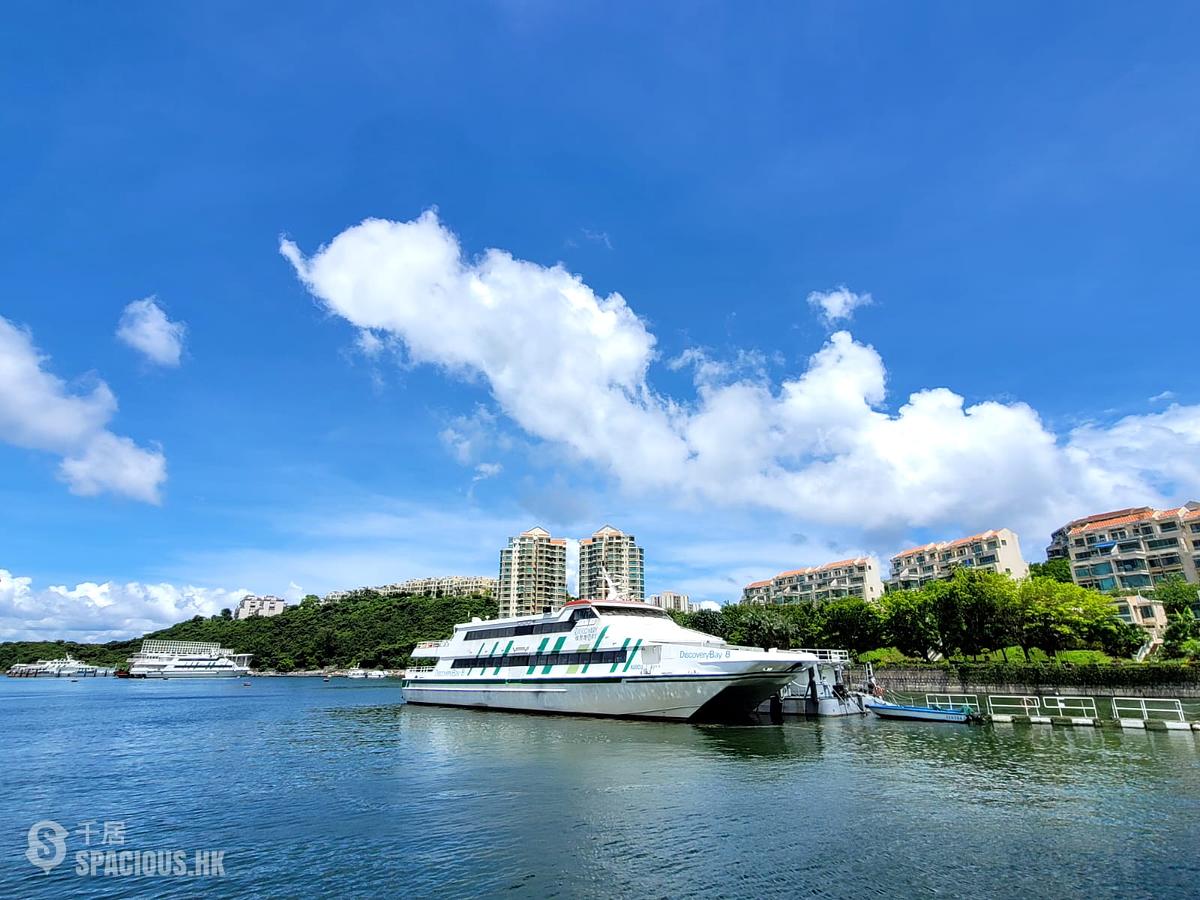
[920, 713]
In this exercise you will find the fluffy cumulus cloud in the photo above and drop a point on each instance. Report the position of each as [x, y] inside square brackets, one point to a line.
[838, 304]
[38, 411]
[571, 367]
[145, 327]
[100, 612]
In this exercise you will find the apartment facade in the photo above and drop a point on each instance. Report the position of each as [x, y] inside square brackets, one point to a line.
[1136, 549]
[1060, 541]
[533, 574]
[671, 601]
[267, 605]
[857, 577]
[997, 550]
[617, 552]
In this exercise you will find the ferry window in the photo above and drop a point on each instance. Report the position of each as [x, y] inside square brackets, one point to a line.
[650, 612]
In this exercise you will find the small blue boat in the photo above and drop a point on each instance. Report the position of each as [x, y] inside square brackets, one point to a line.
[921, 713]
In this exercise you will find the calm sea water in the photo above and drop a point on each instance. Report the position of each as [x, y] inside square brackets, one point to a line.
[337, 789]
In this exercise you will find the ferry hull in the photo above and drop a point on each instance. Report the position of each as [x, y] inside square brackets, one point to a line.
[679, 698]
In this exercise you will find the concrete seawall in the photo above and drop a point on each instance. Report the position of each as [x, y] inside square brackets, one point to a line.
[943, 681]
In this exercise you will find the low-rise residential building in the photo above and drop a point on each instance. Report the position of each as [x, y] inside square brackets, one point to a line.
[446, 586]
[1144, 612]
[617, 553]
[857, 577]
[1060, 541]
[992, 551]
[671, 601]
[1134, 550]
[533, 574]
[251, 605]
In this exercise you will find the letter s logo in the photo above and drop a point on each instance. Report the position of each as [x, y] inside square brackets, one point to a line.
[47, 844]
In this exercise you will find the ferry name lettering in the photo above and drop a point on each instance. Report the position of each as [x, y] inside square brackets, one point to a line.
[701, 654]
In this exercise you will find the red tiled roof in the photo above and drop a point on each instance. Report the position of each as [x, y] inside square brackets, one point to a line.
[755, 584]
[1141, 514]
[809, 570]
[942, 545]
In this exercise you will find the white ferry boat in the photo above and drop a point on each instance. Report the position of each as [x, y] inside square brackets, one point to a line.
[599, 658]
[187, 659]
[65, 667]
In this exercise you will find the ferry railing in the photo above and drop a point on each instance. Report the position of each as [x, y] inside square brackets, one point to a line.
[1012, 705]
[827, 655]
[431, 645]
[1072, 707]
[418, 670]
[1146, 709]
[953, 701]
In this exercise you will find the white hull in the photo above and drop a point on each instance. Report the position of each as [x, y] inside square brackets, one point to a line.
[916, 713]
[652, 698]
[217, 673]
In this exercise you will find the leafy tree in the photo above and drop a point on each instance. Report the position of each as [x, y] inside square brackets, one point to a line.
[1181, 631]
[1176, 595]
[707, 620]
[227, 613]
[909, 623]
[851, 624]
[1058, 569]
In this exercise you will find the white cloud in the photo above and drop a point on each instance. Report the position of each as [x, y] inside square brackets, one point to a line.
[146, 328]
[838, 304]
[571, 368]
[467, 437]
[1163, 397]
[39, 412]
[90, 612]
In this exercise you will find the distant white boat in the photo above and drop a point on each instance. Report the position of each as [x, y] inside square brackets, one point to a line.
[187, 659]
[356, 673]
[56, 668]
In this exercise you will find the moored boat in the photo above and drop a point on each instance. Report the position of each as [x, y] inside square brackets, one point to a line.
[920, 713]
[186, 659]
[600, 658]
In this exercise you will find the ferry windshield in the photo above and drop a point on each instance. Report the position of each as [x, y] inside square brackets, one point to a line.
[650, 611]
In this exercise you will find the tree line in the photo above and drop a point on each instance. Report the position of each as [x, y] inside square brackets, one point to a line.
[969, 615]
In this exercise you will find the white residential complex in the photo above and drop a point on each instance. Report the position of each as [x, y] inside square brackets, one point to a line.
[1060, 540]
[259, 606]
[857, 577]
[1135, 549]
[617, 553]
[993, 551]
[671, 601]
[447, 586]
[533, 574]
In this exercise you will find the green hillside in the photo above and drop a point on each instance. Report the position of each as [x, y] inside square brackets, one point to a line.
[364, 629]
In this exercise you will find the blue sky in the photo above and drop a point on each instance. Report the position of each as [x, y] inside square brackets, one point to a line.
[1015, 189]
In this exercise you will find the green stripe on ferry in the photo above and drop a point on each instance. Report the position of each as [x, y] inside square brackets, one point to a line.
[505, 653]
[595, 646]
[629, 662]
[557, 646]
[623, 646]
[478, 653]
[541, 647]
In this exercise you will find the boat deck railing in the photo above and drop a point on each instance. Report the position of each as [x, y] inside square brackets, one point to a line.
[417, 670]
[826, 655]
